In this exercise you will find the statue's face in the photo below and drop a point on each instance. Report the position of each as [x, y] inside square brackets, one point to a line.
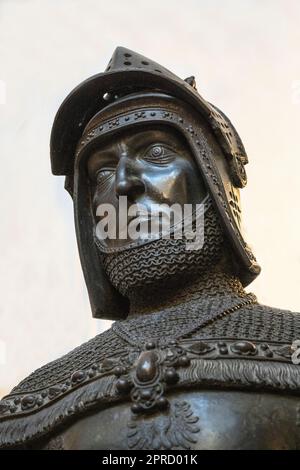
[148, 165]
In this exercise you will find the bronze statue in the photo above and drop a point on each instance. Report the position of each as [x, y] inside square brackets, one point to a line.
[191, 361]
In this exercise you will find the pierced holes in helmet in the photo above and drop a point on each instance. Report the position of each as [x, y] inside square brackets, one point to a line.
[127, 55]
[157, 70]
[127, 62]
[144, 62]
[107, 96]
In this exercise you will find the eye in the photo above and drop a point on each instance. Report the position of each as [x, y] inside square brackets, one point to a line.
[104, 176]
[159, 154]
[157, 151]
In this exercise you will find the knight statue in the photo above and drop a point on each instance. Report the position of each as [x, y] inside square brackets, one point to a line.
[191, 361]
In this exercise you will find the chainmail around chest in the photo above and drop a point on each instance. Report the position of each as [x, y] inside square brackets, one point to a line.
[253, 322]
[174, 293]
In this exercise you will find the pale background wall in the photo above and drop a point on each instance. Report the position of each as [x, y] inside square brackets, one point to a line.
[245, 55]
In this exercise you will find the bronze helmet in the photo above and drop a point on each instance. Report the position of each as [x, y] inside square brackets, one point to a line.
[134, 90]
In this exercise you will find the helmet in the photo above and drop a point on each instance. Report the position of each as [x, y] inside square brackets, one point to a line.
[132, 91]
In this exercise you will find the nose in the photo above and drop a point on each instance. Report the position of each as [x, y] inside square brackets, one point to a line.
[128, 180]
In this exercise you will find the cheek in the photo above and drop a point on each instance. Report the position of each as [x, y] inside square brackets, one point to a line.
[103, 194]
[190, 183]
[178, 183]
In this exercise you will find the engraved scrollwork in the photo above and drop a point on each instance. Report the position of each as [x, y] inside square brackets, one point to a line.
[284, 351]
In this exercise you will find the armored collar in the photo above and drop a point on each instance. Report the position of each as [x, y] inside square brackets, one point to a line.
[144, 378]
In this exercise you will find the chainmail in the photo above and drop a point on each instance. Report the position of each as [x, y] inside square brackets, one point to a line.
[216, 281]
[252, 322]
[217, 289]
[94, 350]
[257, 322]
[164, 259]
[180, 321]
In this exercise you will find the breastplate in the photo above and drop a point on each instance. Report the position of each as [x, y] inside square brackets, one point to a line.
[207, 419]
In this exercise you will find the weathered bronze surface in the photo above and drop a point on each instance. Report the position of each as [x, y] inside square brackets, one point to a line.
[191, 361]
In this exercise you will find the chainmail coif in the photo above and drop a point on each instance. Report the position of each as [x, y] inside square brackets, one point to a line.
[164, 259]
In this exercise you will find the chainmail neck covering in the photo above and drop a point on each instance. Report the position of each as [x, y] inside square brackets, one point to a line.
[164, 273]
